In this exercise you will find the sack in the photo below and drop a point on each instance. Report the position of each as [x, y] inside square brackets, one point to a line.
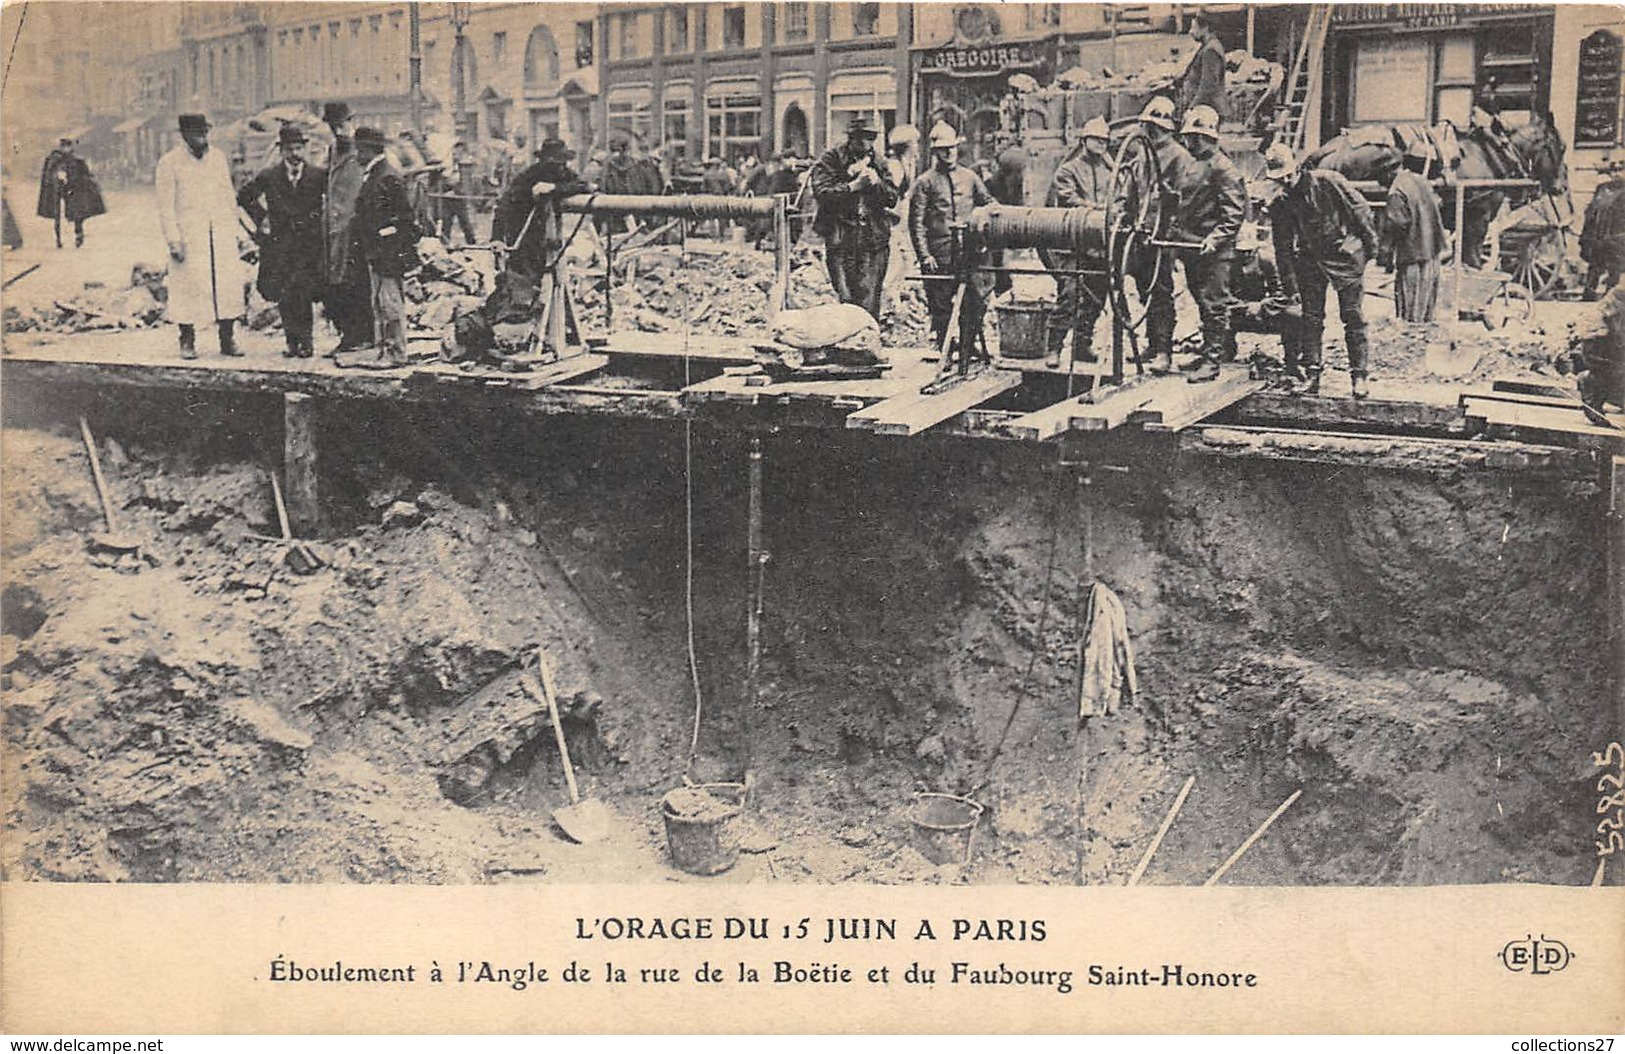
[827, 326]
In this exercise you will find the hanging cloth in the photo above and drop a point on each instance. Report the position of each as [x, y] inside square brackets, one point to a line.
[1105, 656]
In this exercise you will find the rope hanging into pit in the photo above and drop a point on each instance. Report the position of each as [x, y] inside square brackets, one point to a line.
[688, 510]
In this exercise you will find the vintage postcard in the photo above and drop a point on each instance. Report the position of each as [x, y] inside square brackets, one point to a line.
[991, 517]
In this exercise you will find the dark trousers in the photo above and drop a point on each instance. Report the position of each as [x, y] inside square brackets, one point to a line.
[1208, 278]
[1157, 293]
[1079, 302]
[298, 323]
[1313, 282]
[349, 306]
[939, 300]
[1605, 274]
[455, 210]
[857, 273]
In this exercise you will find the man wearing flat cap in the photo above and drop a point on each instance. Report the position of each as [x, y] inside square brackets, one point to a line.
[855, 195]
[387, 237]
[285, 202]
[197, 210]
[349, 289]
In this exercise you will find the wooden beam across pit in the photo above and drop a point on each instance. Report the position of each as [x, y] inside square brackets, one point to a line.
[913, 412]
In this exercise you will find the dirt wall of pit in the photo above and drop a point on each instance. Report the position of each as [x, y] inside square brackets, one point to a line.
[1424, 657]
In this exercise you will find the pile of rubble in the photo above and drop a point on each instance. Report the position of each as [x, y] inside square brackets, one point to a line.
[97, 307]
[725, 291]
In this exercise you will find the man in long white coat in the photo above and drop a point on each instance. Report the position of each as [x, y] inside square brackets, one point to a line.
[197, 209]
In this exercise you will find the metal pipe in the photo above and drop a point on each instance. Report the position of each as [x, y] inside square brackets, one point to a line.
[781, 252]
[415, 68]
[686, 206]
[757, 558]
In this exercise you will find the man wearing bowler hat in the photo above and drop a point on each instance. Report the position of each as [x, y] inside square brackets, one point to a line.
[285, 202]
[197, 210]
[349, 289]
[855, 195]
[387, 238]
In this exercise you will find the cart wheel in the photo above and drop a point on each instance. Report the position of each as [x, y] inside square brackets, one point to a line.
[1134, 216]
[1537, 274]
[1511, 303]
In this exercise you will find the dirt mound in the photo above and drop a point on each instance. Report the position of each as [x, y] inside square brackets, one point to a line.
[1422, 658]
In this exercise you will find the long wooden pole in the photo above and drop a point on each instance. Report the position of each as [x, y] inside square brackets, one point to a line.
[1252, 838]
[1167, 822]
[753, 618]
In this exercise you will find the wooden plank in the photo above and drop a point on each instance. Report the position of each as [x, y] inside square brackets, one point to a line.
[1112, 406]
[678, 346]
[1046, 423]
[566, 369]
[1549, 419]
[912, 413]
[1172, 410]
[1347, 414]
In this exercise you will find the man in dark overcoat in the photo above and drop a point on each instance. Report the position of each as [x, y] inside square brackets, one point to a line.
[285, 202]
[387, 237]
[68, 191]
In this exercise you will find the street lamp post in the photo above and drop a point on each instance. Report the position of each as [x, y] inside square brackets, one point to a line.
[459, 21]
[415, 69]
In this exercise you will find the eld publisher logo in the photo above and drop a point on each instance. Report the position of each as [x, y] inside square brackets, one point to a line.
[1535, 955]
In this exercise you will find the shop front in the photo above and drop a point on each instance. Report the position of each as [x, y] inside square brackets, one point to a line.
[1426, 63]
[968, 85]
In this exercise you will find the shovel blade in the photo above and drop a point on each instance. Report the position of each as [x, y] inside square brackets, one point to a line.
[114, 543]
[584, 822]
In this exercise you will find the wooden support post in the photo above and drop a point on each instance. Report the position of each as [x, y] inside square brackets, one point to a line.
[299, 463]
[609, 280]
[781, 253]
[757, 559]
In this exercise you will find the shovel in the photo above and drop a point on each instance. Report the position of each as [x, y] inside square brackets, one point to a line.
[300, 558]
[583, 822]
[111, 540]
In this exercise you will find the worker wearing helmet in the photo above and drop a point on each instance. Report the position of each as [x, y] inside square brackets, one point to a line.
[1213, 208]
[1082, 180]
[943, 199]
[1154, 270]
[1323, 237]
[1413, 236]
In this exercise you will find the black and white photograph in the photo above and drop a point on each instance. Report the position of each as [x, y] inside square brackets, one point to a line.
[813, 444]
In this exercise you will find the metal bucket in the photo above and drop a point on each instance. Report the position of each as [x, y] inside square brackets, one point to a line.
[945, 827]
[699, 826]
[1022, 330]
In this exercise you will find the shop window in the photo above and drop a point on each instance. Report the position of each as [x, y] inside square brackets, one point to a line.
[677, 30]
[674, 119]
[584, 35]
[795, 20]
[865, 20]
[733, 27]
[626, 36]
[630, 117]
[843, 106]
[733, 127]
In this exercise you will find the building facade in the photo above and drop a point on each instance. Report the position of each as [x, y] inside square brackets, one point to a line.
[735, 80]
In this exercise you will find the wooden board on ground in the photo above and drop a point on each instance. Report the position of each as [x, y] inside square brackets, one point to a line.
[677, 346]
[1172, 409]
[1536, 418]
[911, 413]
[1113, 405]
[567, 369]
[908, 372]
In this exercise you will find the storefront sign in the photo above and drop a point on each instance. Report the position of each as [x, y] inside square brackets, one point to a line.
[989, 58]
[1596, 104]
[1418, 16]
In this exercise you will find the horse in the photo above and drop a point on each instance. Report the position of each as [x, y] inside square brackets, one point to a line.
[1534, 151]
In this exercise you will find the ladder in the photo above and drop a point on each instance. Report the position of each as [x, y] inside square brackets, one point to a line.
[1299, 119]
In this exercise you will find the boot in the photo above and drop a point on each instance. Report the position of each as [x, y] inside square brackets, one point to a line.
[1055, 341]
[1207, 371]
[1361, 389]
[1163, 364]
[1311, 384]
[228, 339]
[188, 342]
